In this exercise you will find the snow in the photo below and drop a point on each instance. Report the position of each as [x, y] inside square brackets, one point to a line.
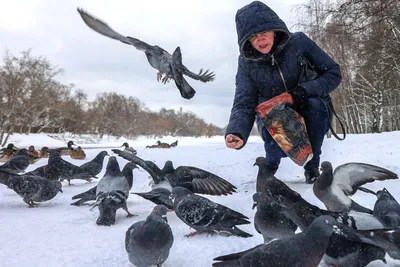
[58, 234]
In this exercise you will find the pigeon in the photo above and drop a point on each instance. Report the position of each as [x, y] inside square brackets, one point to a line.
[111, 194]
[58, 168]
[159, 196]
[303, 249]
[268, 219]
[333, 188]
[206, 216]
[158, 58]
[129, 149]
[95, 166]
[91, 193]
[269, 184]
[387, 209]
[17, 164]
[195, 179]
[31, 188]
[148, 242]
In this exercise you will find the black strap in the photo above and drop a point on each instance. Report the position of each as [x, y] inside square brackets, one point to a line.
[329, 107]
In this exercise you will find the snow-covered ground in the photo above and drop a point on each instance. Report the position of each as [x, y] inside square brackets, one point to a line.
[58, 234]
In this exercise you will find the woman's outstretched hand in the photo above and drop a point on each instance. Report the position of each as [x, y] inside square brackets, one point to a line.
[233, 141]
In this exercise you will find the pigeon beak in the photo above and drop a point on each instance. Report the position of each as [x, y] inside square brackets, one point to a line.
[165, 218]
[254, 164]
[254, 205]
[171, 197]
[337, 230]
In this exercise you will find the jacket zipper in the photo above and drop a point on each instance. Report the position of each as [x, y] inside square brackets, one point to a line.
[280, 71]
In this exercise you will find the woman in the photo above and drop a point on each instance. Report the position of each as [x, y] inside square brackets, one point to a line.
[268, 66]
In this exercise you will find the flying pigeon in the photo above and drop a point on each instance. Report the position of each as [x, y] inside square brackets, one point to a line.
[206, 216]
[31, 188]
[159, 196]
[268, 219]
[158, 58]
[148, 242]
[333, 188]
[91, 193]
[387, 209]
[17, 164]
[303, 249]
[269, 184]
[111, 193]
[195, 179]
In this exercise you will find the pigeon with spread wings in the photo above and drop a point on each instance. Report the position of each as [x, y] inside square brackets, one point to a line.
[158, 58]
[195, 179]
[333, 188]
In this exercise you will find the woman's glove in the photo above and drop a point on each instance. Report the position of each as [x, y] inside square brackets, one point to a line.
[300, 100]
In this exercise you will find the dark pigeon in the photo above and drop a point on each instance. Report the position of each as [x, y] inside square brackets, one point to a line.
[17, 164]
[272, 186]
[159, 196]
[31, 188]
[206, 216]
[91, 193]
[158, 58]
[303, 249]
[58, 168]
[111, 193]
[333, 188]
[195, 179]
[148, 242]
[387, 209]
[95, 166]
[268, 220]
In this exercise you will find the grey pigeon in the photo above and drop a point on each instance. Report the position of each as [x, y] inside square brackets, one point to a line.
[159, 196]
[31, 188]
[91, 193]
[206, 216]
[271, 185]
[95, 166]
[158, 58]
[304, 249]
[387, 209]
[58, 168]
[148, 242]
[17, 164]
[111, 193]
[268, 219]
[129, 149]
[195, 179]
[333, 188]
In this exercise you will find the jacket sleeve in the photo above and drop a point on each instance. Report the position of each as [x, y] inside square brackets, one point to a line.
[328, 70]
[246, 99]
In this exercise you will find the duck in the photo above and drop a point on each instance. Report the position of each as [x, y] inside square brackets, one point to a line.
[78, 153]
[65, 151]
[174, 144]
[8, 152]
[129, 149]
[44, 152]
[155, 146]
[33, 154]
[164, 145]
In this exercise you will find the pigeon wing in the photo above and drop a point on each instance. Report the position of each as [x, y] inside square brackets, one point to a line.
[101, 27]
[199, 211]
[348, 177]
[205, 182]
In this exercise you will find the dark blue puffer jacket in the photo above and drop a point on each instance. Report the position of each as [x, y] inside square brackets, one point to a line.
[258, 77]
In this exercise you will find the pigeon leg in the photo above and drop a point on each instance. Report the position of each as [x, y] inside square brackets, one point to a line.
[170, 210]
[32, 204]
[89, 180]
[127, 211]
[192, 234]
[159, 76]
[165, 79]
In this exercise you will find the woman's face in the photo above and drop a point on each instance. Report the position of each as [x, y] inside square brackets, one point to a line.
[263, 41]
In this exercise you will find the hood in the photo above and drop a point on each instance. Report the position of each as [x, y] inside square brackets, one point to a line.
[254, 18]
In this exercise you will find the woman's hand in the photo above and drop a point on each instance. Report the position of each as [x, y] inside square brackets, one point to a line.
[233, 141]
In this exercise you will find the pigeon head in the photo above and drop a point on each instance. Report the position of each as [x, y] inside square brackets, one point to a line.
[257, 198]
[160, 211]
[383, 194]
[260, 161]
[324, 226]
[130, 166]
[178, 192]
[102, 154]
[108, 210]
[326, 167]
[112, 166]
[168, 167]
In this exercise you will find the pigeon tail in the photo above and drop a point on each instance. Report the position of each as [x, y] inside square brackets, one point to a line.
[184, 87]
[357, 207]
[231, 263]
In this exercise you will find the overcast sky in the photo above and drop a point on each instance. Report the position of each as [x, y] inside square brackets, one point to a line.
[205, 31]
